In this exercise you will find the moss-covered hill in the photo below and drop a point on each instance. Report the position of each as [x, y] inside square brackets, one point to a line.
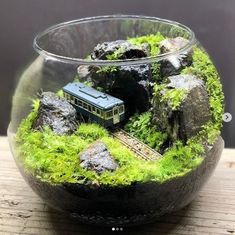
[55, 158]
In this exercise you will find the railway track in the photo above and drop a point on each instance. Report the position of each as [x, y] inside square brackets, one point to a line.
[142, 150]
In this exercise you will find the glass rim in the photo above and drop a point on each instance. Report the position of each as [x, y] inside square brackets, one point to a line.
[134, 61]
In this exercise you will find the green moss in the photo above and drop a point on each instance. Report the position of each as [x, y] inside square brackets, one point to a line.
[155, 71]
[153, 41]
[183, 157]
[173, 97]
[107, 69]
[60, 93]
[203, 68]
[116, 55]
[91, 132]
[140, 127]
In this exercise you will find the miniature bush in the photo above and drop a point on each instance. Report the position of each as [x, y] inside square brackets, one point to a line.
[173, 97]
[140, 126]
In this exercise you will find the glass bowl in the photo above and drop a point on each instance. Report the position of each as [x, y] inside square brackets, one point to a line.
[117, 120]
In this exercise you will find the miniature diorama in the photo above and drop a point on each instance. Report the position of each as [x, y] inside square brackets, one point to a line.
[127, 133]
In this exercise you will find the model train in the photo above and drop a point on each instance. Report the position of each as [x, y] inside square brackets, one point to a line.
[97, 106]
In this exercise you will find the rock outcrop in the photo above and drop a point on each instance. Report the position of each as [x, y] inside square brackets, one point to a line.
[122, 49]
[97, 158]
[56, 113]
[174, 63]
[193, 112]
[128, 82]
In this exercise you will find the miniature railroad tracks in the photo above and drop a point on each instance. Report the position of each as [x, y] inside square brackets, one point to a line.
[142, 150]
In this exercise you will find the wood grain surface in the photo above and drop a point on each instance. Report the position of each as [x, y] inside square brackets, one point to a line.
[23, 212]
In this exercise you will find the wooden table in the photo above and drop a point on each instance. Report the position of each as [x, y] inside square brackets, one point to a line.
[23, 212]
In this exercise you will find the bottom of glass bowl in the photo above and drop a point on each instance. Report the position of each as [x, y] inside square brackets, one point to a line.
[126, 205]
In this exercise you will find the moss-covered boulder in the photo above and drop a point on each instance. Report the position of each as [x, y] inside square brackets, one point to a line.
[181, 107]
[57, 113]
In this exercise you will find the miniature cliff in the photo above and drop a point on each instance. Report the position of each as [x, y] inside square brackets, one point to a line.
[57, 113]
[181, 107]
[129, 83]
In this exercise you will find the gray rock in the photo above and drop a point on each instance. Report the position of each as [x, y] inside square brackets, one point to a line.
[193, 112]
[56, 113]
[138, 72]
[107, 79]
[184, 81]
[129, 83]
[127, 50]
[97, 158]
[83, 72]
[174, 63]
[172, 44]
[42, 74]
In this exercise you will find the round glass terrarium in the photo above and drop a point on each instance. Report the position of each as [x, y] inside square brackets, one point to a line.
[117, 121]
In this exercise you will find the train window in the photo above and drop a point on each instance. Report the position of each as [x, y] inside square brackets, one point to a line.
[121, 109]
[89, 108]
[84, 105]
[76, 101]
[109, 114]
[79, 102]
[103, 114]
[115, 112]
[98, 112]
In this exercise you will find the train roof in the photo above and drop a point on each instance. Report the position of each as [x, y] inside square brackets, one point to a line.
[91, 95]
